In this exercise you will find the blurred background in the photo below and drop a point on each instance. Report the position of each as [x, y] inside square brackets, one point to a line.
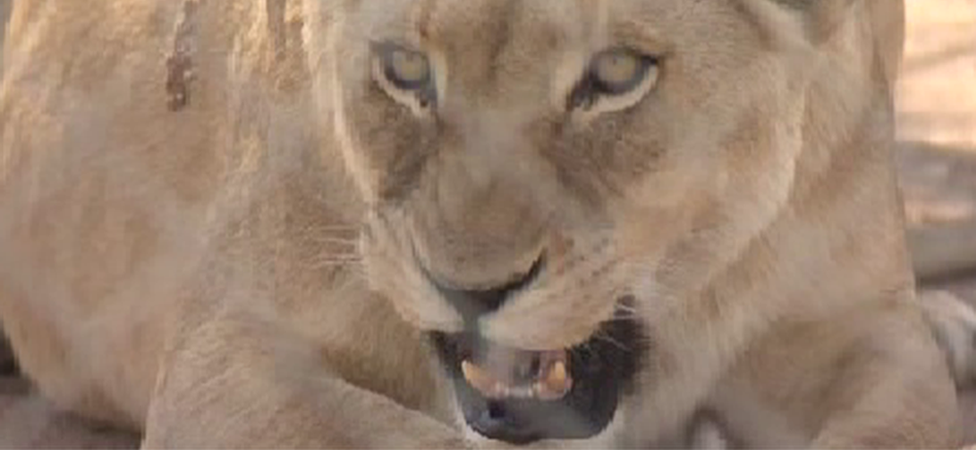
[936, 103]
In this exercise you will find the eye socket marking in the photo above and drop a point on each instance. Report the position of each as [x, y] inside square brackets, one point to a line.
[612, 73]
[408, 72]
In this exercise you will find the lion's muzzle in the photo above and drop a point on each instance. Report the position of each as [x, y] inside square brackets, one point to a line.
[520, 396]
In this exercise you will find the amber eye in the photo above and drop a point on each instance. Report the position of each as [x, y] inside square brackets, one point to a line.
[613, 73]
[405, 69]
[618, 71]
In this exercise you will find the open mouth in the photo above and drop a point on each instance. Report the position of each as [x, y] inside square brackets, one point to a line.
[520, 396]
[511, 374]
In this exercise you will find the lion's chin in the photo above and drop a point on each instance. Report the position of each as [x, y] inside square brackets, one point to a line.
[519, 396]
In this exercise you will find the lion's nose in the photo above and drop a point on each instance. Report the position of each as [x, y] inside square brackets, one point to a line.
[475, 303]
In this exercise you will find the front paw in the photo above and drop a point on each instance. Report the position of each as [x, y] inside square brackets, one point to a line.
[953, 323]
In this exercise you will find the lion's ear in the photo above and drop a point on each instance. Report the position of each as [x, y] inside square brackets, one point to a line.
[823, 19]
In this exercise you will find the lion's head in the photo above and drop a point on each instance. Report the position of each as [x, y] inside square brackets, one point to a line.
[539, 173]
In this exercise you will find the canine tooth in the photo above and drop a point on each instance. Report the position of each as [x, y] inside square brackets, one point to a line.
[557, 376]
[471, 373]
[478, 378]
[556, 383]
[484, 382]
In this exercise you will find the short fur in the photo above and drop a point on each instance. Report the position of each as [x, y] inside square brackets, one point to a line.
[241, 265]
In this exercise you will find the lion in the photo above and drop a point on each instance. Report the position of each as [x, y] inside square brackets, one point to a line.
[468, 223]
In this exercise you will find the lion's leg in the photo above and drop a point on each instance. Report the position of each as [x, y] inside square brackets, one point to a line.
[894, 414]
[249, 383]
[954, 324]
[869, 376]
[891, 389]
[707, 433]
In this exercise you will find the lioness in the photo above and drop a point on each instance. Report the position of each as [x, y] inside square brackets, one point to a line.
[452, 223]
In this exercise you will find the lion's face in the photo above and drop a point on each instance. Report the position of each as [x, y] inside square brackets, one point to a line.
[541, 173]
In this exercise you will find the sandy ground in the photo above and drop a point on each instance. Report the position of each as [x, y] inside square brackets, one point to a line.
[937, 127]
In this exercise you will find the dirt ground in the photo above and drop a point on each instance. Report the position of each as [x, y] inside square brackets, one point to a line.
[937, 128]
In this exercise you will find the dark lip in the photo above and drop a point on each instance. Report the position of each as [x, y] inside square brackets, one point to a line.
[474, 304]
[604, 369]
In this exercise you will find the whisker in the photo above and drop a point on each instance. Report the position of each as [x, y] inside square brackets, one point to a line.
[335, 265]
[338, 257]
[608, 339]
[333, 240]
[626, 314]
[626, 308]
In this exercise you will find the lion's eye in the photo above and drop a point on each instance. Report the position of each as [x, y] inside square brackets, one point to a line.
[405, 69]
[406, 75]
[616, 72]
[613, 73]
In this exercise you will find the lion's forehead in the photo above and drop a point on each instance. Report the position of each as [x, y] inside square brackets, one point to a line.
[504, 70]
[493, 26]
[517, 50]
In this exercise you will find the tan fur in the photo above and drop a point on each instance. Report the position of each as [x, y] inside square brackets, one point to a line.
[196, 270]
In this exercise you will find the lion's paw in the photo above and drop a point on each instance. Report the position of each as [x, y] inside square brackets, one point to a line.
[707, 434]
[953, 322]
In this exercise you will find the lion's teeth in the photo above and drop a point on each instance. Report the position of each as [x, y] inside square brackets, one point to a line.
[470, 371]
[521, 392]
[498, 391]
[556, 383]
[557, 376]
[479, 379]
[485, 383]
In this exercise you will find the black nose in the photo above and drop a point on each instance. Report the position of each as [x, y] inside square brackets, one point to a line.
[473, 304]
